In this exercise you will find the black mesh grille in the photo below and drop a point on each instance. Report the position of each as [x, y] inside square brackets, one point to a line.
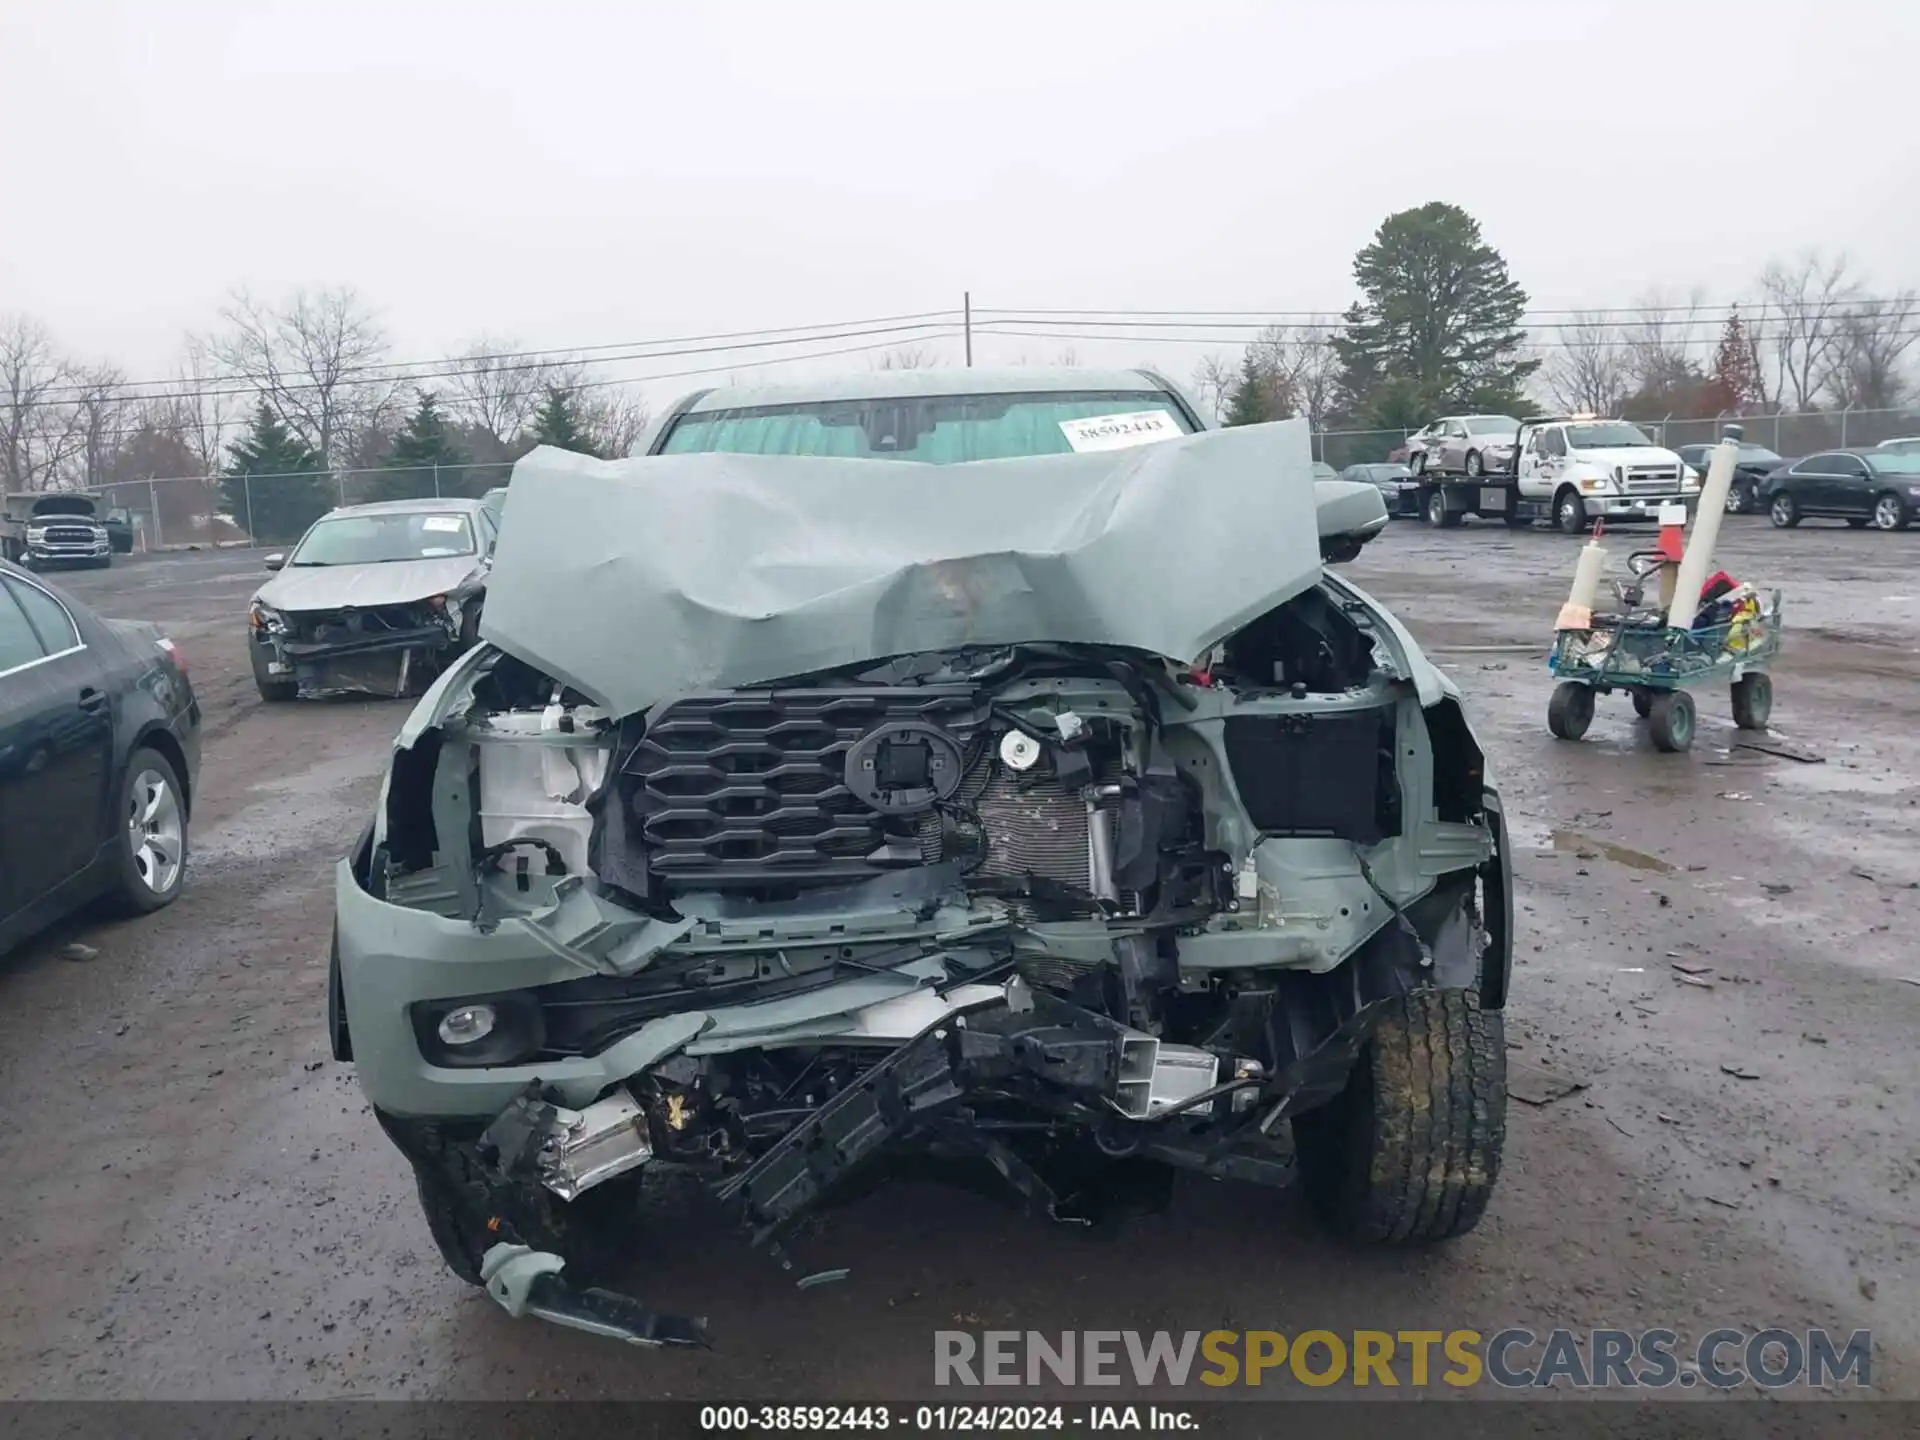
[749, 787]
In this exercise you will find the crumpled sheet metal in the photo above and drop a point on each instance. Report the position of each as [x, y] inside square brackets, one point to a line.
[636, 581]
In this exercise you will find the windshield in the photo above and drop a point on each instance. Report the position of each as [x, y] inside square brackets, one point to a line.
[1606, 435]
[1898, 462]
[1492, 424]
[379, 538]
[936, 429]
[1386, 472]
[1901, 447]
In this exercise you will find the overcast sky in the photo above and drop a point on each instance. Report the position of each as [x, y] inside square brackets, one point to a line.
[581, 173]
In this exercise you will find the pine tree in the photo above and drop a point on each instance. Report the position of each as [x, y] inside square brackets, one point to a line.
[274, 484]
[421, 452]
[557, 422]
[1438, 325]
[1733, 384]
[1261, 394]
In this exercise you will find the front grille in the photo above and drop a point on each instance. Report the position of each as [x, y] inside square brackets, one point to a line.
[331, 626]
[1652, 479]
[70, 535]
[749, 787]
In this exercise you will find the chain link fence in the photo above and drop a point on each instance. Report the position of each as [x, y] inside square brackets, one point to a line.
[209, 511]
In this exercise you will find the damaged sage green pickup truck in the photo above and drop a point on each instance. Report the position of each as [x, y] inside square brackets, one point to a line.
[968, 764]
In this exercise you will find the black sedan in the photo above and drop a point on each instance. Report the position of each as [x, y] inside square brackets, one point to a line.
[1395, 482]
[1861, 487]
[1750, 473]
[99, 745]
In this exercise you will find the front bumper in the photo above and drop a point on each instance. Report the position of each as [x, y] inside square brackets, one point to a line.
[43, 553]
[386, 663]
[1638, 507]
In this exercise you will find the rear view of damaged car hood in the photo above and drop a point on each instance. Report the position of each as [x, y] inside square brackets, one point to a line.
[714, 571]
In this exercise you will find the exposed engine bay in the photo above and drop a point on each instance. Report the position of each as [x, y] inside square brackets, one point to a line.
[387, 650]
[1042, 908]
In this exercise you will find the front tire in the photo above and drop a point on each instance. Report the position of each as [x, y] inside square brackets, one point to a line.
[1753, 701]
[1570, 711]
[1642, 702]
[1570, 513]
[1739, 498]
[1475, 467]
[1890, 512]
[1783, 512]
[273, 689]
[1409, 1152]
[1418, 464]
[1438, 515]
[151, 858]
[1671, 722]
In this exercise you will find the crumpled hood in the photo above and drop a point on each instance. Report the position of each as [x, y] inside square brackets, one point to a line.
[329, 587]
[716, 571]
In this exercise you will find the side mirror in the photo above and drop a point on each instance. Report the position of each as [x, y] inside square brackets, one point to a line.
[275, 560]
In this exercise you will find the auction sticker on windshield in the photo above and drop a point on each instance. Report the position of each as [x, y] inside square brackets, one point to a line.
[443, 524]
[1117, 432]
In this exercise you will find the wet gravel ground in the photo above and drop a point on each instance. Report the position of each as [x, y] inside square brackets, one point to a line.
[1717, 948]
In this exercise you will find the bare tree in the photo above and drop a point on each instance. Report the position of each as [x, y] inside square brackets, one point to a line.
[1666, 341]
[500, 386]
[1867, 367]
[1315, 377]
[1586, 370]
[614, 418]
[99, 416]
[204, 408]
[906, 357]
[1810, 298]
[1214, 377]
[316, 360]
[36, 432]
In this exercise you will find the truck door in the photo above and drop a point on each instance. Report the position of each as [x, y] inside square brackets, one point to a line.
[1541, 460]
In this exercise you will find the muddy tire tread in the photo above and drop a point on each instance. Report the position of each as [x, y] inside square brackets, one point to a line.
[1423, 1170]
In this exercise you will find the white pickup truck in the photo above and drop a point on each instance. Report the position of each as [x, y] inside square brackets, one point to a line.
[1572, 470]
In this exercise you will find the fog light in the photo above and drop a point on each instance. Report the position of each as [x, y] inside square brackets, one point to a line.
[467, 1025]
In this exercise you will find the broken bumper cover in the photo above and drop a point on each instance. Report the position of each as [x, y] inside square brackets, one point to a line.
[385, 663]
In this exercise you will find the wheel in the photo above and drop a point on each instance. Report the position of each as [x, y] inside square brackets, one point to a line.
[1438, 515]
[1570, 513]
[1570, 711]
[1642, 702]
[1889, 512]
[1752, 701]
[1410, 1151]
[1739, 498]
[1671, 720]
[273, 688]
[152, 855]
[1783, 512]
[1418, 464]
[1474, 468]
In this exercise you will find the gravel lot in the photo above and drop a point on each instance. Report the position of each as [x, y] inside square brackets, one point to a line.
[205, 1209]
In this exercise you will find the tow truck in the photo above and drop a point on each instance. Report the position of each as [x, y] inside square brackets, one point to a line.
[1570, 470]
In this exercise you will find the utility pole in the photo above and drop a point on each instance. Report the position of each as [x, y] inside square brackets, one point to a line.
[966, 307]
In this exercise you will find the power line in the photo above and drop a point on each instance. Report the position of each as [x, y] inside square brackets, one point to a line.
[1563, 344]
[926, 329]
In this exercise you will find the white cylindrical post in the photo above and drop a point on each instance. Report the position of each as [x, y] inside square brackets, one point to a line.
[1706, 531]
[1577, 613]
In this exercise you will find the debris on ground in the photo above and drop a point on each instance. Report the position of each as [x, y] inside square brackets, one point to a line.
[1786, 749]
[822, 1277]
[1868, 1290]
[1691, 967]
[1774, 889]
[77, 951]
[1740, 1072]
[1686, 979]
[1723, 1204]
[1537, 1086]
